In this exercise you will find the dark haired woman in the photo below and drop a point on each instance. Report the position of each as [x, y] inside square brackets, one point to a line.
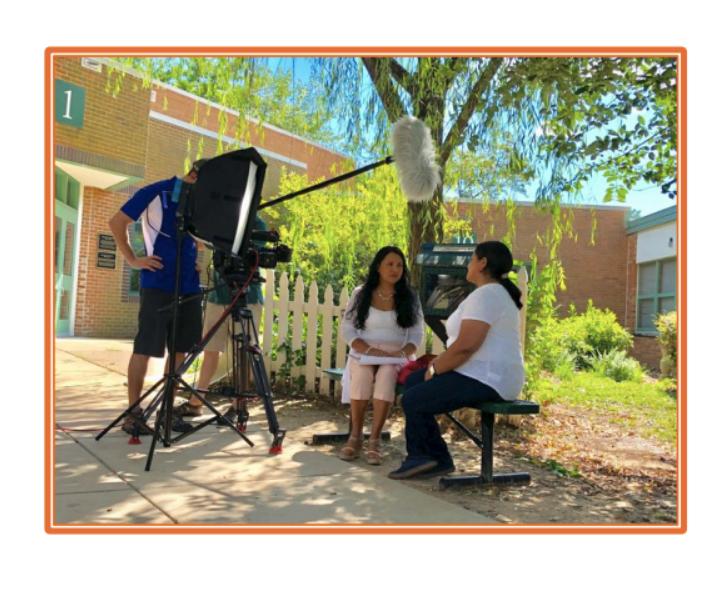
[383, 319]
[483, 362]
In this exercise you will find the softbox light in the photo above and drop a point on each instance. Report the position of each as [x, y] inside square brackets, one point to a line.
[222, 203]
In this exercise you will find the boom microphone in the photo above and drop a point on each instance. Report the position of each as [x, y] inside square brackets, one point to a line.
[414, 154]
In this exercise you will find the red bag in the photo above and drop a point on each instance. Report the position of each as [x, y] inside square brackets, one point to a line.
[422, 363]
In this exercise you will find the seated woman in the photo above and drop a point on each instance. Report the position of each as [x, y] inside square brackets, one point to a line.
[383, 319]
[483, 362]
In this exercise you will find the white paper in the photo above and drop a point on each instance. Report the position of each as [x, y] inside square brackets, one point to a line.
[367, 360]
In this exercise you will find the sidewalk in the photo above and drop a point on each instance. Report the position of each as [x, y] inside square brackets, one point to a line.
[212, 477]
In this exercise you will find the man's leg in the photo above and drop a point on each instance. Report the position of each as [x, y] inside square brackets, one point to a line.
[149, 341]
[137, 369]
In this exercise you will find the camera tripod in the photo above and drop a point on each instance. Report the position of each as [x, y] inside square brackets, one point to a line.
[246, 356]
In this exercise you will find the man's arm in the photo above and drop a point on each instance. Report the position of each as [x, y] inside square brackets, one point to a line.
[119, 227]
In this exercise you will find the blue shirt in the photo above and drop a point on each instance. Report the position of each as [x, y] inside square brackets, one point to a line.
[154, 204]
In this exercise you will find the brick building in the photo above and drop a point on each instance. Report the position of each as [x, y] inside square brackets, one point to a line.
[651, 279]
[630, 268]
[105, 148]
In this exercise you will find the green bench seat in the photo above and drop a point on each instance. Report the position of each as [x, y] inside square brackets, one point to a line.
[488, 410]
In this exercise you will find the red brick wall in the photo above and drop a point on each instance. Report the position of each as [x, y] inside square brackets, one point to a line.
[121, 128]
[320, 162]
[596, 272]
[100, 310]
[113, 127]
[647, 350]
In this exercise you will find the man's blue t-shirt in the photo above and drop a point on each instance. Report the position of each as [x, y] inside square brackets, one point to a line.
[154, 204]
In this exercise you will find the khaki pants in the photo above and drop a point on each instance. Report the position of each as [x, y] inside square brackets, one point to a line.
[220, 341]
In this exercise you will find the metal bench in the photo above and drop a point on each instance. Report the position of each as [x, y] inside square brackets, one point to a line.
[488, 410]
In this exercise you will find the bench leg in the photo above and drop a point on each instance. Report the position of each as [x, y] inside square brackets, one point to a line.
[486, 477]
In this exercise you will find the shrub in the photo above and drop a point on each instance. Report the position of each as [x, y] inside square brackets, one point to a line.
[582, 336]
[617, 365]
[667, 326]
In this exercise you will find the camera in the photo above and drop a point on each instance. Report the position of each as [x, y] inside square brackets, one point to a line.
[235, 270]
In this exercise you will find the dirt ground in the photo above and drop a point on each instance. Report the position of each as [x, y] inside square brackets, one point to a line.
[584, 471]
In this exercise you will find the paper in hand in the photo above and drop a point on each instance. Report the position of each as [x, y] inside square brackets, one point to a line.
[368, 360]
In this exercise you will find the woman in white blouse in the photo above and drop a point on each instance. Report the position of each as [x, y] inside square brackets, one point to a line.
[383, 319]
[483, 362]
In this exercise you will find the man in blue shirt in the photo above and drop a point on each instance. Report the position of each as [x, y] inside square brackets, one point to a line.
[155, 206]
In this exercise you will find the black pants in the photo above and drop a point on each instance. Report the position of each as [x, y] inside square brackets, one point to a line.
[422, 400]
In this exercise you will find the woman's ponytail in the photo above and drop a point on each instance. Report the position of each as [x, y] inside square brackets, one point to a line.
[499, 264]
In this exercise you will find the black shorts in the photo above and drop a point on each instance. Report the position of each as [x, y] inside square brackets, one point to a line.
[155, 328]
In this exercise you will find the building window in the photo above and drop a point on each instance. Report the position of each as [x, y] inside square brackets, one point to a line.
[138, 246]
[657, 287]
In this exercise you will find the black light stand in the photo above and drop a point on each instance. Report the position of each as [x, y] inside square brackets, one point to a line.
[246, 354]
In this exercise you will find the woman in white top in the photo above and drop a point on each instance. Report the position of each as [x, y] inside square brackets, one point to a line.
[483, 362]
[383, 319]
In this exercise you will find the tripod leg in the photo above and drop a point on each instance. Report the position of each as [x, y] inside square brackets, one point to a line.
[251, 353]
[128, 412]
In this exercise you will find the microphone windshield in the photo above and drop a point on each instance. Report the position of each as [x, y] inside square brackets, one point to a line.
[414, 156]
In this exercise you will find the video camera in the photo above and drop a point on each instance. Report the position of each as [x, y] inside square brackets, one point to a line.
[236, 269]
[220, 209]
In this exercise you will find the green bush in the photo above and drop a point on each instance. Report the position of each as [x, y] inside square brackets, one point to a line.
[575, 340]
[667, 326]
[617, 365]
[585, 335]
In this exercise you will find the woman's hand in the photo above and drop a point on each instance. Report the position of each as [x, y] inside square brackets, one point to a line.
[379, 353]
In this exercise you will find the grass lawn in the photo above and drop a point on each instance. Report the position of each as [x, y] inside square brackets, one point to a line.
[648, 408]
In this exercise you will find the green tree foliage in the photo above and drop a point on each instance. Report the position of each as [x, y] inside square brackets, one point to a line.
[335, 232]
[611, 116]
[561, 119]
[245, 85]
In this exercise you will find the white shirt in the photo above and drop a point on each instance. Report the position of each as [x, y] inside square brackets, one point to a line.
[499, 361]
[381, 326]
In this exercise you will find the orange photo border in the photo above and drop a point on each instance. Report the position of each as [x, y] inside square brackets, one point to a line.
[678, 52]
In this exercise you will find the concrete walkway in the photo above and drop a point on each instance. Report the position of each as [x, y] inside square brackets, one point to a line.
[212, 477]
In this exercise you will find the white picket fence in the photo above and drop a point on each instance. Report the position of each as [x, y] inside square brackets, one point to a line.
[280, 308]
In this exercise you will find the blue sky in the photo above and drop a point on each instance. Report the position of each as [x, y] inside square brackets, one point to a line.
[644, 198]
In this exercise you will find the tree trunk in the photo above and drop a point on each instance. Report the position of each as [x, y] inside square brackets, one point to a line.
[420, 233]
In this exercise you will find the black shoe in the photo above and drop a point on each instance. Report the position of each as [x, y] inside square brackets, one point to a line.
[178, 425]
[413, 467]
[129, 426]
[441, 469]
[229, 418]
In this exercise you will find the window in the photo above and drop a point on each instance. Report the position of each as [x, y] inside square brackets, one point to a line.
[138, 245]
[656, 292]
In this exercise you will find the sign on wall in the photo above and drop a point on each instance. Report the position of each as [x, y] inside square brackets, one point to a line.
[69, 104]
[106, 242]
[106, 260]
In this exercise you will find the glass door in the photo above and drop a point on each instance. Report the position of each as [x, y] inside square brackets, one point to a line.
[67, 202]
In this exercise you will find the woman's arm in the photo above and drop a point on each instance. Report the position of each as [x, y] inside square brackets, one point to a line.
[471, 338]
[416, 335]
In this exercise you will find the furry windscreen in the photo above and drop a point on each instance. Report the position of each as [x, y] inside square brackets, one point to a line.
[414, 155]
